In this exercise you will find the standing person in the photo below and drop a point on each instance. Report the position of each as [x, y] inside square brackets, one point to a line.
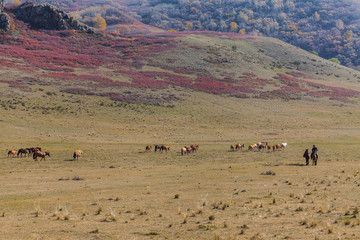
[306, 156]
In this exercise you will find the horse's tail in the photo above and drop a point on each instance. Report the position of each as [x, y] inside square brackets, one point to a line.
[34, 155]
[74, 155]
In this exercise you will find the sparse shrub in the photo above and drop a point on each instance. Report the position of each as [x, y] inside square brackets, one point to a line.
[304, 222]
[95, 231]
[211, 217]
[330, 229]
[312, 224]
[177, 196]
[299, 209]
[98, 211]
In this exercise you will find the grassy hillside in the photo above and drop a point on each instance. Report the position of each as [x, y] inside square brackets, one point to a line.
[111, 95]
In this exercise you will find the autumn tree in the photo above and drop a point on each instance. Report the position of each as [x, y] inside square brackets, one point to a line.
[99, 22]
[233, 27]
[189, 25]
[16, 2]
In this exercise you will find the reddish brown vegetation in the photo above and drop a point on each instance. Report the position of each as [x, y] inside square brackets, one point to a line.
[52, 57]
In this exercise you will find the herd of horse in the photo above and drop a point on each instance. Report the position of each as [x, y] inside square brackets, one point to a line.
[265, 145]
[36, 153]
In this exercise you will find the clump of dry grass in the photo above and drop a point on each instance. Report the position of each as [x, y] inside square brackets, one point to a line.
[37, 211]
[330, 229]
[299, 209]
[98, 211]
[212, 217]
[312, 224]
[95, 231]
[304, 221]
[177, 196]
[110, 217]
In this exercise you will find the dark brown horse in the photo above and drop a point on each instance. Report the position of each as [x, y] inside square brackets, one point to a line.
[148, 148]
[22, 151]
[158, 147]
[314, 158]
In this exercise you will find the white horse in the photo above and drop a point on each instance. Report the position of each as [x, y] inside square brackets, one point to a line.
[283, 145]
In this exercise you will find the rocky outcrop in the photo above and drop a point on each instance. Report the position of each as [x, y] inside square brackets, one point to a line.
[4, 22]
[1, 5]
[46, 16]
[4, 18]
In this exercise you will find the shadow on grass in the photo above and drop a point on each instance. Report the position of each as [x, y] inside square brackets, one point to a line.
[69, 160]
[296, 164]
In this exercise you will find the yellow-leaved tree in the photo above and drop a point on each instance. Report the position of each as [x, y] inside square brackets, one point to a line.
[99, 22]
[16, 2]
[233, 27]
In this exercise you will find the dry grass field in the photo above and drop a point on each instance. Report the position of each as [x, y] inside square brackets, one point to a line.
[118, 191]
[111, 96]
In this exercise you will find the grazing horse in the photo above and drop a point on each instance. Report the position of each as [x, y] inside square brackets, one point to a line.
[22, 151]
[263, 145]
[314, 158]
[12, 153]
[185, 150]
[306, 156]
[194, 147]
[165, 148]
[283, 145]
[269, 148]
[148, 148]
[253, 146]
[77, 154]
[158, 147]
[232, 147]
[42, 155]
[239, 146]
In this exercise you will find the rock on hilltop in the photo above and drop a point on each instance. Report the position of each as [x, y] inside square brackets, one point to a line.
[46, 16]
[4, 19]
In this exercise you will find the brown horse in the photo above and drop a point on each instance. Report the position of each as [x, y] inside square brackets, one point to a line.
[253, 146]
[314, 158]
[148, 148]
[239, 146]
[77, 154]
[42, 155]
[232, 147]
[12, 153]
[22, 151]
[194, 147]
[165, 148]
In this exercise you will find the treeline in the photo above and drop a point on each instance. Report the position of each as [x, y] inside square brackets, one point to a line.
[328, 27]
